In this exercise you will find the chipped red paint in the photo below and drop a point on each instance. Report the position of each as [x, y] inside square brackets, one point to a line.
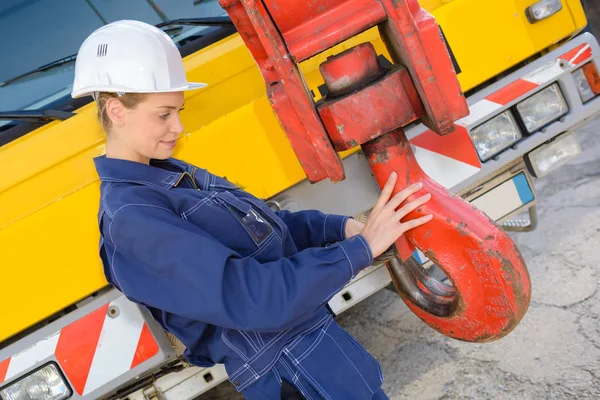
[489, 275]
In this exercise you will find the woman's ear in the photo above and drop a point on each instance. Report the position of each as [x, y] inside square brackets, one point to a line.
[115, 111]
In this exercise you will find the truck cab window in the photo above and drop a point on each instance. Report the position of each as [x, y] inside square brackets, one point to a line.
[41, 77]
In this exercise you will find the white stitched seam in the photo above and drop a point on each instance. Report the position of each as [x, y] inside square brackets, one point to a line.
[270, 344]
[345, 355]
[259, 338]
[312, 347]
[277, 375]
[170, 179]
[299, 337]
[264, 245]
[130, 181]
[366, 244]
[247, 381]
[325, 229]
[247, 337]
[232, 347]
[286, 366]
[103, 202]
[199, 204]
[366, 352]
[260, 353]
[196, 206]
[303, 390]
[349, 262]
[315, 383]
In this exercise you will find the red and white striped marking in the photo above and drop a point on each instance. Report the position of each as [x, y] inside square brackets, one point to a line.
[451, 159]
[93, 350]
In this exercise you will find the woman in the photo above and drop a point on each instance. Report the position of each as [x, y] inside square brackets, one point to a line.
[237, 283]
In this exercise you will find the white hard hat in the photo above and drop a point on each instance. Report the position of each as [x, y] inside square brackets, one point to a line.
[129, 57]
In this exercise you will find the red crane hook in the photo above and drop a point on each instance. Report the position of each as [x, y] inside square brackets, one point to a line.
[491, 288]
[368, 105]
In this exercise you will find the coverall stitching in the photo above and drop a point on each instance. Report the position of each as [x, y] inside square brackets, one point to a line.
[259, 338]
[260, 353]
[224, 204]
[296, 381]
[264, 245]
[277, 375]
[366, 353]
[274, 360]
[248, 381]
[232, 347]
[314, 382]
[313, 345]
[349, 262]
[342, 230]
[367, 247]
[325, 229]
[247, 337]
[348, 358]
[103, 178]
[169, 180]
[286, 366]
[104, 203]
[199, 204]
[305, 332]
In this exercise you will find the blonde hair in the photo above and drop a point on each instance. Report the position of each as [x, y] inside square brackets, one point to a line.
[129, 100]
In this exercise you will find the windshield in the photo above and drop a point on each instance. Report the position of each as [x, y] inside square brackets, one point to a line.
[38, 32]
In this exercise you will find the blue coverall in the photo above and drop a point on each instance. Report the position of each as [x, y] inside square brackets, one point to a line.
[237, 283]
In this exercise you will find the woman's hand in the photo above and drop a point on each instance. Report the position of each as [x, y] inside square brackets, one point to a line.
[384, 227]
[353, 227]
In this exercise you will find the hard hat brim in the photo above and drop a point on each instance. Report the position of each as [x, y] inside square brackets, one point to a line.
[89, 91]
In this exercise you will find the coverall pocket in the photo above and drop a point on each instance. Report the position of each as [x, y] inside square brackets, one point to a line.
[253, 222]
[335, 364]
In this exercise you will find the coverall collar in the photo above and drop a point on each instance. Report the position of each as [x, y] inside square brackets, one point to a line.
[160, 173]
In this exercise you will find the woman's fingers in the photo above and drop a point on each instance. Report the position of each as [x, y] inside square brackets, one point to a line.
[413, 223]
[404, 194]
[387, 190]
[411, 206]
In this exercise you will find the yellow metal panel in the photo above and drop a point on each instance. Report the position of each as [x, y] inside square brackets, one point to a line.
[489, 37]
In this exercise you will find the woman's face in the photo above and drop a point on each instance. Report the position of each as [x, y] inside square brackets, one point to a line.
[151, 129]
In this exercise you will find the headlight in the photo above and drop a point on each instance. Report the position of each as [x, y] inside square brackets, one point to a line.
[495, 135]
[542, 108]
[543, 9]
[43, 384]
[550, 156]
[587, 81]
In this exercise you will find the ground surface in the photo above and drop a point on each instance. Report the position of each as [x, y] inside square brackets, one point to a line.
[553, 354]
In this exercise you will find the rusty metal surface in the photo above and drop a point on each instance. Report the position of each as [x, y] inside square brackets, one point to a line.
[380, 107]
[351, 69]
[414, 40]
[286, 90]
[489, 275]
[309, 27]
